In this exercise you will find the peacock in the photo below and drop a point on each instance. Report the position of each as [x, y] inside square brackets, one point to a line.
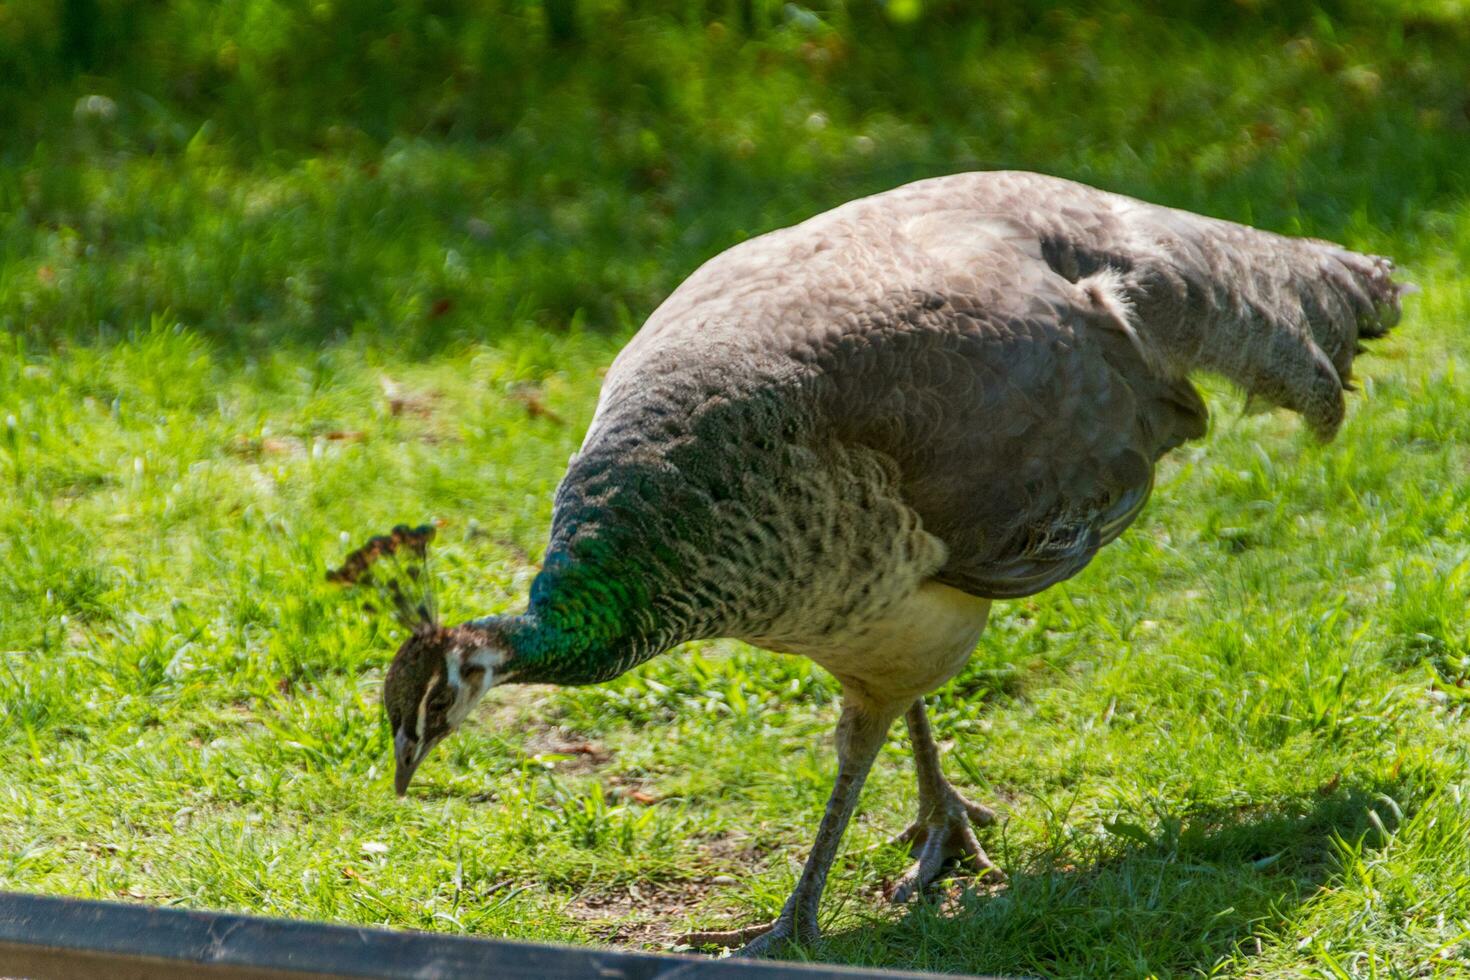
[845, 439]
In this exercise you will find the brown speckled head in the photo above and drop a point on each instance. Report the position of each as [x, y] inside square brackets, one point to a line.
[432, 682]
[418, 668]
[436, 678]
[418, 696]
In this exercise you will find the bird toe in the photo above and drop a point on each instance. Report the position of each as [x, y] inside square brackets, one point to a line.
[943, 838]
[751, 942]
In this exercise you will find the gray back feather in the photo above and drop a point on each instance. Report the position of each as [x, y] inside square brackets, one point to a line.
[1018, 345]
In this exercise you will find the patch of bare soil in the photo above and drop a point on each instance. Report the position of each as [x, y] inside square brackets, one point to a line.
[725, 849]
[647, 915]
[566, 752]
[527, 711]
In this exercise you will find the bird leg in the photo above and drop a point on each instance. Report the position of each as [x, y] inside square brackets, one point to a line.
[860, 734]
[945, 828]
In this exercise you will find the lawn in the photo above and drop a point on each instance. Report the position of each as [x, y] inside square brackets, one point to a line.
[276, 277]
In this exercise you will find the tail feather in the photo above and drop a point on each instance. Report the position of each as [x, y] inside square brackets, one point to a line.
[1281, 317]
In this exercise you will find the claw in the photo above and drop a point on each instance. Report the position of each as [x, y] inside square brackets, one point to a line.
[767, 942]
[945, 843]
[945, 833]
[980, 815]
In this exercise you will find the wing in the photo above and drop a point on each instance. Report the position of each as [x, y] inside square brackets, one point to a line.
[1024, 415]
[1021, 345]
[1280, 317]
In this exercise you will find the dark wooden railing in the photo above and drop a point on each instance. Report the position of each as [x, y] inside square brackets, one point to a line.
[46, 938]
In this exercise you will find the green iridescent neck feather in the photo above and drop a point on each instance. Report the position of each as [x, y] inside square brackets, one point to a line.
[665, 534]
[606, 598]
[584, 627]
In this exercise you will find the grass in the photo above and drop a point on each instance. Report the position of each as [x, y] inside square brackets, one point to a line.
[270, 292]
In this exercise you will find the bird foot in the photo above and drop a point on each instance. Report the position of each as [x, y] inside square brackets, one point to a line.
[753, 941]
[944, 832]
[915, 833]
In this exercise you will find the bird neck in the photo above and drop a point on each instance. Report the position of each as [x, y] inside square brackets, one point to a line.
[584, 631]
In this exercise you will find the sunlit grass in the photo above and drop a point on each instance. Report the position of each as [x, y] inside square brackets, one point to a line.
[1234, 745]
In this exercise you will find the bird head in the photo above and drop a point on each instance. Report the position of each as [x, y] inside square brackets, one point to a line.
[438, 674]
[436, 678]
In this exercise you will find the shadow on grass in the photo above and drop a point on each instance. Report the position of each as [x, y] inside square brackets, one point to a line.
[1175, 899]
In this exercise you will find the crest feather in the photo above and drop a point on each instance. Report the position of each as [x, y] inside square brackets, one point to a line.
[395, 566]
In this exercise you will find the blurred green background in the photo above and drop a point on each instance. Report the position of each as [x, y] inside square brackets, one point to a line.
[275, 276]
[436, 170]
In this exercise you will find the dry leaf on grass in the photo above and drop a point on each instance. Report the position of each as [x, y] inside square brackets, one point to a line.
[534, 399]
[401, 401]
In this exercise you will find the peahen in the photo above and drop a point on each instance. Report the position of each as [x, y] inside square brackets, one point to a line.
[846, 438]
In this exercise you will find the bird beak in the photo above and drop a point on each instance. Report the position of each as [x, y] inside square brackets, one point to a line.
[406, 757]
[403, 775]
